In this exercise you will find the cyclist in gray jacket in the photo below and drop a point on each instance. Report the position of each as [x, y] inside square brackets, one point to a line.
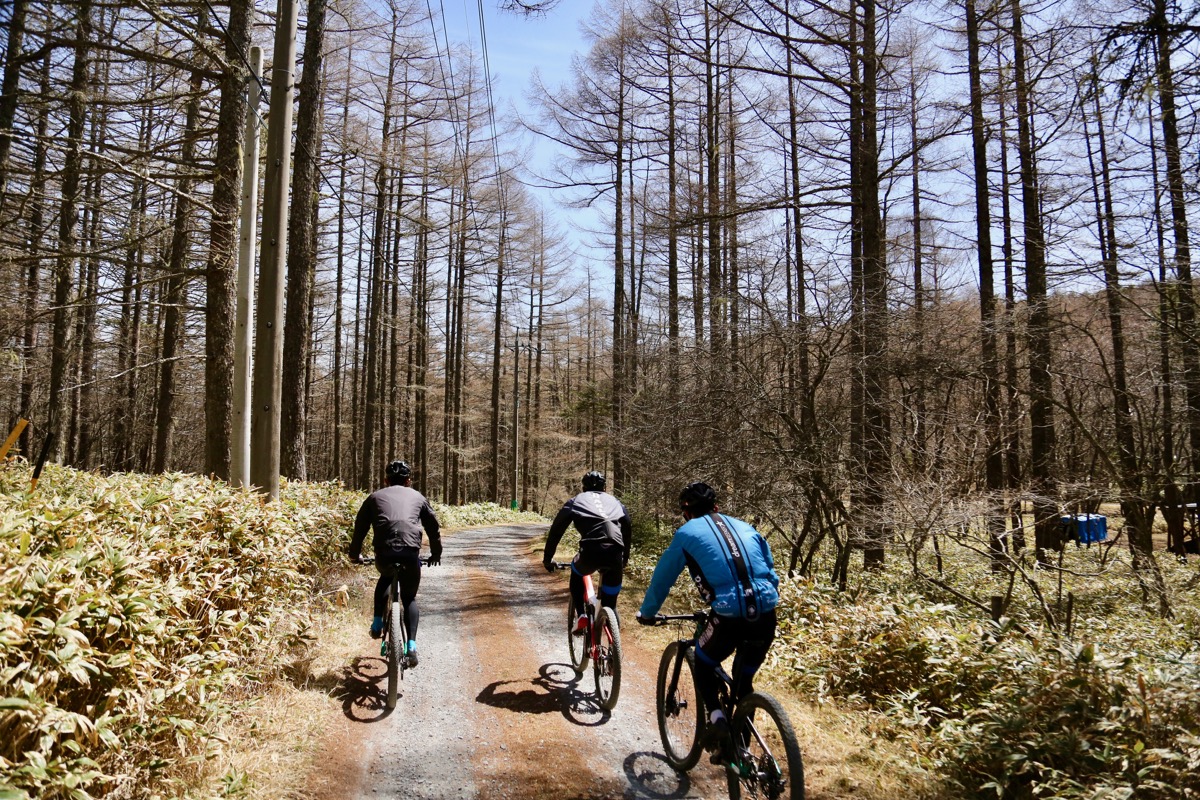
[396, 513]
[605, 536]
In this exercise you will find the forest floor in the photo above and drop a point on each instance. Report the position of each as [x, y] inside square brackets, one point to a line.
[494, 709]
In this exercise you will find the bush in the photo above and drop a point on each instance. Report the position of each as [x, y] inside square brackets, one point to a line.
[1066, 724]
[136, 610]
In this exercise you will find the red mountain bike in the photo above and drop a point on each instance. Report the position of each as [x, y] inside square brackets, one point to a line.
[599, 642]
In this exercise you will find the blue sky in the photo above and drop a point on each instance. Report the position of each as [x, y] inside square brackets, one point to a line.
[517, 47]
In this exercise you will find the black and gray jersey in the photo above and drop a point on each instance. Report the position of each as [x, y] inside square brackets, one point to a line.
[601, 520]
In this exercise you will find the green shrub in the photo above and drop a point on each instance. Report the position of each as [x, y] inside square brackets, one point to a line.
[1063, 723]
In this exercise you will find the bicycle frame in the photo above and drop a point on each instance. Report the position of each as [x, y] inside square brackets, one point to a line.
[601, 643]
[754, 763]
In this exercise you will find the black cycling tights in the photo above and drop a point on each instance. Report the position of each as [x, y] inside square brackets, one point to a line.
[409, 568]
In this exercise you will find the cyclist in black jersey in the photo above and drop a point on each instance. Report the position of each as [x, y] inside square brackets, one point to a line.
[397, 512]
[605, 536]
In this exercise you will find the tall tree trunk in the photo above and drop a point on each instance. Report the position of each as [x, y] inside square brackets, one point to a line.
[368, 470]
[1041, 386]
[497, 322]
[175, 297]
[1189, 346]
[220, 308]
[10, 86]
[33, 276]
[876, 425]
[302, 256]
[672, 213]
[68, 219]
[989, 356]
[619, 344]
[1013, 476]
[1136, 508]
[920, 454]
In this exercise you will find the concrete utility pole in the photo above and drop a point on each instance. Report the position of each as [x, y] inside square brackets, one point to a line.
[243, 341]
[268, 344]
[516, 417]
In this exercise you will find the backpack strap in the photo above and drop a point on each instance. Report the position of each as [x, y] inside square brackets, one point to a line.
[739, 565]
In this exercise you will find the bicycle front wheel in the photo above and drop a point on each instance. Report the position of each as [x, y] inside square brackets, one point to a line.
[607, 664]
[395, 651]
[767, 763]
[680, 709]
[579, 645]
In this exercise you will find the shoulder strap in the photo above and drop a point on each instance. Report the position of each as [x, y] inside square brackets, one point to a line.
[739, 565]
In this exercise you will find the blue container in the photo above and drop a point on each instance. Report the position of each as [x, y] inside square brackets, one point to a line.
[1086, 528]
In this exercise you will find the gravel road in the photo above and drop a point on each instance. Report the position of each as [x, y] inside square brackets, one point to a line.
[494, 710]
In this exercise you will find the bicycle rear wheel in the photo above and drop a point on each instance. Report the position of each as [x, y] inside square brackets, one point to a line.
[579, 645]
[607, 664]
[680, 709]
[768, 762]
[395, 650]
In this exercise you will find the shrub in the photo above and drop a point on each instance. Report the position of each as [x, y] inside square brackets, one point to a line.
[135, 610]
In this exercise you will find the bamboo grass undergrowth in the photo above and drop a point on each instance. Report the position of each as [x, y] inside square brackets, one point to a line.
[139, 612]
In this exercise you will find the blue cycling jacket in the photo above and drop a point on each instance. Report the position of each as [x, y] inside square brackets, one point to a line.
[699, 546]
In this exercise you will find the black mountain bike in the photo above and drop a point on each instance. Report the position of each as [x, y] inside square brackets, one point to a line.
[600, 643]
[761, 755]
[393, 646]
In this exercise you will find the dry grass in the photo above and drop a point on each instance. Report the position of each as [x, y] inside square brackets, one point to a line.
[275, 740]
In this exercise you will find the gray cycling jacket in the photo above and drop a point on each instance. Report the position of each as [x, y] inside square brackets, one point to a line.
[397, 514]
[601, 520]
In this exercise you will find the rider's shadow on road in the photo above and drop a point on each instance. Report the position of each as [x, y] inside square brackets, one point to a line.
[556, 688]
[362, 690]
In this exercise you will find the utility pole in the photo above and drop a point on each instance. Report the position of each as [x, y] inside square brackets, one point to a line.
[243, 341]
[516, 415]
[268, 344]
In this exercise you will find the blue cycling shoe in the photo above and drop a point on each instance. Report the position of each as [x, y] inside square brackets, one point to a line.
[377, 628]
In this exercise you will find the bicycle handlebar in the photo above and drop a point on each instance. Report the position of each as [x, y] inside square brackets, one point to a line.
[561, 564]
[368, 560]
[695, 616]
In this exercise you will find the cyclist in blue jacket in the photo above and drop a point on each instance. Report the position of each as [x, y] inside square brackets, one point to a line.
[730, 563]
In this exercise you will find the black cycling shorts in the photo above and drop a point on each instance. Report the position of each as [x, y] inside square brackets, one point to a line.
[608, 561]
[751, 639]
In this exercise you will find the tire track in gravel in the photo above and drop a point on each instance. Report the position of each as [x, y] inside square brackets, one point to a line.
[494, 711]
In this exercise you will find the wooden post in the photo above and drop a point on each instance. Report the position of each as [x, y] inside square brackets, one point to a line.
[243, 341]
[12, 437]
[41, 462]
[997, 607]
[268, 343]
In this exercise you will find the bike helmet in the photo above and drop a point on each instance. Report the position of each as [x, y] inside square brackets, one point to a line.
[697, 498]
[593, 481]
[398, 472]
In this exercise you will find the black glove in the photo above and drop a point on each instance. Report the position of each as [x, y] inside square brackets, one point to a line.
[434, 559]
[548, 564]
[645, 620]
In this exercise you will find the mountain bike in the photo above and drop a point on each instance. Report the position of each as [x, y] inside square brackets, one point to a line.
[761, 756]
[393, 645]
[599, 642]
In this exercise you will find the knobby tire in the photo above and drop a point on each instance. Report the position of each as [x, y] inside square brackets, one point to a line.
[775, 771]
[395, 649]
[607, 665]
[578, 645]
[680, 709]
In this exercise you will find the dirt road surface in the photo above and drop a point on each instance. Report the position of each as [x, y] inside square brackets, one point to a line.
[494, 709]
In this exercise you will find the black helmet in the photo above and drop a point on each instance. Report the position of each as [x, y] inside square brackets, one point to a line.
[398, 472]
[593, 481]
[697, 498]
